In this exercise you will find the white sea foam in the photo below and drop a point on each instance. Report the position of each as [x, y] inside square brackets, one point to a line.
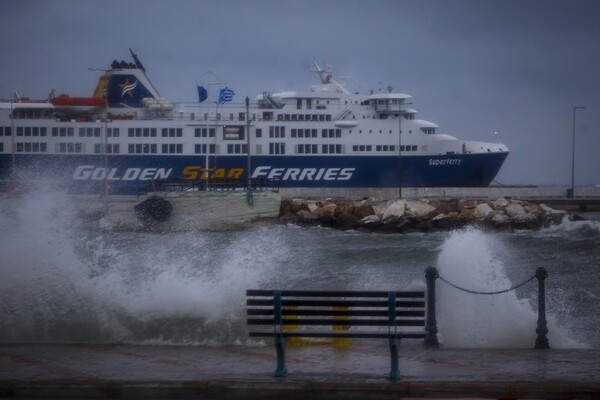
[61, 283]
[473, 260]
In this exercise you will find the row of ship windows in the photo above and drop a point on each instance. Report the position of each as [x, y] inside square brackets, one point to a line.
[231, 133]
[279, 132]
[36, 131]
[177, 148]
[383, 148]
[111, 148]
[303, 117]
[153, 132]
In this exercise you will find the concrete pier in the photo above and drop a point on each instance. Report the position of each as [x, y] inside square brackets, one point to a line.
[358, 371]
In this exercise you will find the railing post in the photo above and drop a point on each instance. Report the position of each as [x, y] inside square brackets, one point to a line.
[542, 329]
[431, 340]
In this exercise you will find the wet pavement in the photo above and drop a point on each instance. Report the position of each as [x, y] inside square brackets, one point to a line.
[358, 371]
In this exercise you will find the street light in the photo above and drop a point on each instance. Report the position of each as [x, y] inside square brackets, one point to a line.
[571, 192]
[104, 138]
[401, 103]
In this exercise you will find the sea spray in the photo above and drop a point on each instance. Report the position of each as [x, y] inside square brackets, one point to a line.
[45, 290]
[474, 260]
[62, 283]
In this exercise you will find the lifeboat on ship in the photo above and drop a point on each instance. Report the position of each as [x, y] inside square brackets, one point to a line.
[65, 104]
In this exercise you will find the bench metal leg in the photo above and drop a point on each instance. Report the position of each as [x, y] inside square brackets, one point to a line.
[395, 371]
[280, 343]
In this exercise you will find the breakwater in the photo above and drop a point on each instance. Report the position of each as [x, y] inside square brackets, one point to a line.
[422, 215]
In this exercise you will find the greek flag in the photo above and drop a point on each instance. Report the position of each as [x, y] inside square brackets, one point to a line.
[225, 95]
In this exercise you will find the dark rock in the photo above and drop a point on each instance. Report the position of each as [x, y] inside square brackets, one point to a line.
[363, 211]
[154, 208]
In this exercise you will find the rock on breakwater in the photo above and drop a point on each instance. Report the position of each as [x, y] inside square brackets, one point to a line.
[425, 215]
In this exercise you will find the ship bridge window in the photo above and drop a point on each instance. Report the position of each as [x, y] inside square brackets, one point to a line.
[258, 132]
[307, 149]
[428, 131]
[331, 133]
[5, 131]
[276, 148]
[172, 148]
[362, 147]
[59, 131]
[201, 148]
[233, 132]
[408, 148]
[142, 148]
[89, 132]
[111, 148]
[31, 147]
[201, 132]
[171, 132]
[70, 147]
[237, 148]
[1, 147]
[277, 131]
[302, 133]
[331, 149]
[115, 132]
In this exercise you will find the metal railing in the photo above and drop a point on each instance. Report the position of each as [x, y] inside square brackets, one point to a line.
[431, 274]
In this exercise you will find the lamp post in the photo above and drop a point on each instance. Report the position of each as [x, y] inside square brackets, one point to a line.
[571, 192]
[215, 80]
[401, 103]
[400, 150]
[248, 166]
[104, 137]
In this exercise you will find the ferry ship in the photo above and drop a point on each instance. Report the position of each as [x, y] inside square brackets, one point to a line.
[126, 136]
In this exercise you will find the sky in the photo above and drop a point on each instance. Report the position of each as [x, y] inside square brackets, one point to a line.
[474, 67]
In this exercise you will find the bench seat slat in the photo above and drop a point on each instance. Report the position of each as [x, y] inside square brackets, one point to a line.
[344, 334]
[336, 312]
[335, 293]
[334, 303]
[335, 322]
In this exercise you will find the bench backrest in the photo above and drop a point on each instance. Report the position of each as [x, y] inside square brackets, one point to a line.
[286, 310]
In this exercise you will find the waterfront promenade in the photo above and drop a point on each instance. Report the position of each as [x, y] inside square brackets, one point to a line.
[358, 371]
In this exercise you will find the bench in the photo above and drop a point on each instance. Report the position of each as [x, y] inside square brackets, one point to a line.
[283, 314]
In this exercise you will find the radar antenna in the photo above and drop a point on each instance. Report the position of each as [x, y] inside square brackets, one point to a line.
[327, 78]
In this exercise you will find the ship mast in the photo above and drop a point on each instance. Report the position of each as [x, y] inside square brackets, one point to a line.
[327, 79]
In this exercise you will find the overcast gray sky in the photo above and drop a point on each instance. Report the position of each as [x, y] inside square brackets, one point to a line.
[472, 66]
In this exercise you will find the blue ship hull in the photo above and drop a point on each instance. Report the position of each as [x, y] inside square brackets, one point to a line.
[126, 174]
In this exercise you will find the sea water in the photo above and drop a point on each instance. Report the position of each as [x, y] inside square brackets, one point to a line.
[62, 282]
